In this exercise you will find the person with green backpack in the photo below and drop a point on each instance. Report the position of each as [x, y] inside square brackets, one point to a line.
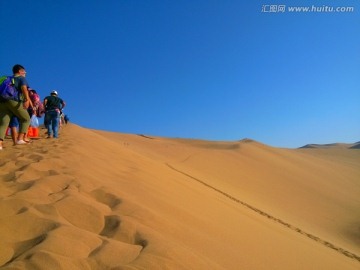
[14, 101]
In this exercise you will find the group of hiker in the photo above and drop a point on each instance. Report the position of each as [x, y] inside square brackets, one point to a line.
[21, 105]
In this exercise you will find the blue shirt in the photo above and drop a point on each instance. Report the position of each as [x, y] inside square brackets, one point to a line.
[19, 82]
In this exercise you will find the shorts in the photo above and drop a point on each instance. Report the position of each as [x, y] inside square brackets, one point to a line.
[14, 122]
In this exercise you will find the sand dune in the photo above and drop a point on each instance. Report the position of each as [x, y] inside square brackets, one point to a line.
[101, 200]
[334, 145]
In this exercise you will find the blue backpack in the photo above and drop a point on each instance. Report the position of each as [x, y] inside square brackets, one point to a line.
[8, 90]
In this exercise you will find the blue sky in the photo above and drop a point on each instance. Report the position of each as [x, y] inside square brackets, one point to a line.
[205, 69]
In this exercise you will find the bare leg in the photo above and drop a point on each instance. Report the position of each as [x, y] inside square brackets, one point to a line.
[14, 134]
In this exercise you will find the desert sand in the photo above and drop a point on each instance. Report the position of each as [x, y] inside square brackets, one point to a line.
[101, 200]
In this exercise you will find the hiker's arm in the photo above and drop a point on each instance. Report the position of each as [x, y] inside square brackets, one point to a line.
[31, 104]
[27, 100]
[63, 105]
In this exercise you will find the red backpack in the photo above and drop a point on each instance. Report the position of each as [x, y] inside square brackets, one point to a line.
[39, 107]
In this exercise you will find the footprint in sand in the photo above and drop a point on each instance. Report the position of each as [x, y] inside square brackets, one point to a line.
[114, 254]
[122, 230]
[106, 198]
[21, 230]
[115, 227]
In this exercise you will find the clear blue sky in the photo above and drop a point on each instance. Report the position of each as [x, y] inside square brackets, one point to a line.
[206, 69]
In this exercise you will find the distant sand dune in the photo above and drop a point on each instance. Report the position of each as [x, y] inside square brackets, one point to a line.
[102, 200]
[334, 145]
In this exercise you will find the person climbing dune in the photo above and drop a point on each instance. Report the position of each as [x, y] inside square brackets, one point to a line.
[15, 104]
[53, 105]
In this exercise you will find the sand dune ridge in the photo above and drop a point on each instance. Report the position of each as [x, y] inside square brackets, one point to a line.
[262, 213]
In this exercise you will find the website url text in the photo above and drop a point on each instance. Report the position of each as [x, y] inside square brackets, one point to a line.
[324, 9]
